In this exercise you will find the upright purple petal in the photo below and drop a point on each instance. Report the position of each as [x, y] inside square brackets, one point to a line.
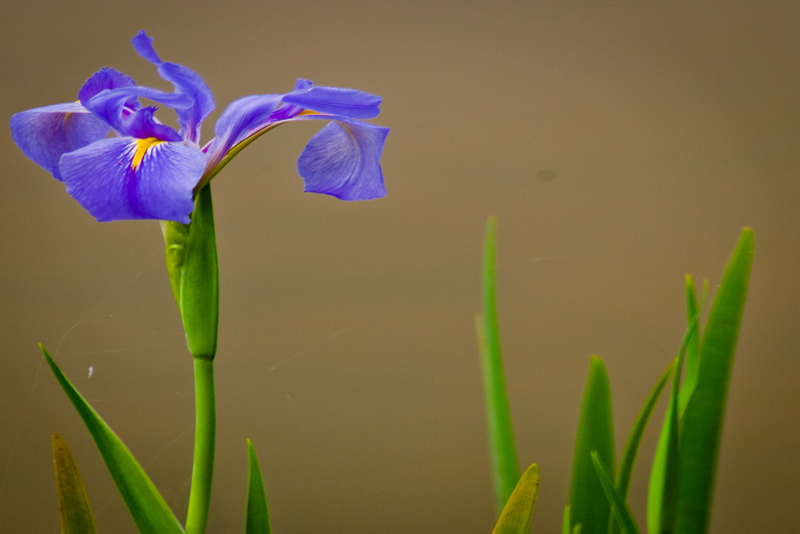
[303, 85]
[186, 82]
[127, 178]
[143, 44]
[336, 101]
[106, 78]
[343, 160]
[141, 124]
[110, 104]
[45, 134]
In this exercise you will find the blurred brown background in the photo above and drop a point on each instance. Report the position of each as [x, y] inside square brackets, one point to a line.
[620, 144]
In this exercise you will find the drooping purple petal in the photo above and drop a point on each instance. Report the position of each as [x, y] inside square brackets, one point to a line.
[343, 160]
[110, 103]
[336, 101]
[106, 78]
[45, 134]
[127, 178]
[186, 82]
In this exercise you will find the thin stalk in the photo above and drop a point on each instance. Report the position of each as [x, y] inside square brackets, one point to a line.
[204, 437]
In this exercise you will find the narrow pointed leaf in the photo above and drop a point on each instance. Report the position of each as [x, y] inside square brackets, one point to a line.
[692, 348]
[502, 449]
[635, 439]
[664, 487]
[516, 516]
[565, 524]
[146, 505]
[614, 498]
[257, 517]
[703, 418]
[588, 503]
[199, 281]
[73, 503]
[637, 432]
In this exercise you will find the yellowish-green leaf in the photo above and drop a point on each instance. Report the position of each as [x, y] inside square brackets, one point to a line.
[516, 516]
[73, 503]
[148, 508]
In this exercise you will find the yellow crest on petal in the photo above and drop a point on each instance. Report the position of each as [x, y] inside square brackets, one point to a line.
[141, 148]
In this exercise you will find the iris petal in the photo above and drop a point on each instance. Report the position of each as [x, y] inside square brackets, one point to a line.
[336, 101]
[127, 178]
[186, 82]
[241, 118]
[142, 125]
[343, 160]
[45, 134]
[109, 104]
[105, 78]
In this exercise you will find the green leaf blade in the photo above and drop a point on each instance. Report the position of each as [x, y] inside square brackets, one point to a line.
[662, 498]
[257, 515]
[637, 432]
[73, 502]
[589, 506]
[703, 418]
[635, 439]
[692, 346]
[150, 512]
[516, 516]
[566, 522]
[614, 498]
[502, 448]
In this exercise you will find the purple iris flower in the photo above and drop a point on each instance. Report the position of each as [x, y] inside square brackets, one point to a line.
[148, 170]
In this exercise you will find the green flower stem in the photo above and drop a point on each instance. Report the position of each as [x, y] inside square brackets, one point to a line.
[204, 437]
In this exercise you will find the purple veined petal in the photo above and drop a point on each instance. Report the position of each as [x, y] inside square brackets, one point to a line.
[127, 178]
[45, 134]
[109, 103]
[339, 101]
[106, 78]
[186, 82]
[343, 160]
[241, 118]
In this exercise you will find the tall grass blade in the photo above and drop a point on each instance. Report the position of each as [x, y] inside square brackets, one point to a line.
[502, 449]
[614, 498]
[664, 488]
[635, 439]
[589, 506]
[516, 516]
[703, 418]
[566, 522]
[692, 348]
[73, 503]
[257, 517]
[662, 499]
[146, 505]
